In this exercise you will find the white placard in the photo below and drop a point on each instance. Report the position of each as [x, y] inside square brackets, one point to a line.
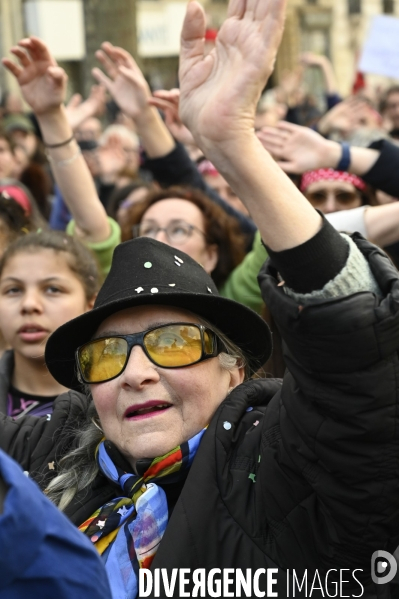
[381, 50]
[60, 24]
[159, 26]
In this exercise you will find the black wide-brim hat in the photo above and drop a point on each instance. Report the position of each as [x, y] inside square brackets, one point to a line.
[147, 272]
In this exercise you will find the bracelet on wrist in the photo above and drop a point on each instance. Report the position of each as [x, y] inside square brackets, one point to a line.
[66, 161]
[59, 145]
[345, 160]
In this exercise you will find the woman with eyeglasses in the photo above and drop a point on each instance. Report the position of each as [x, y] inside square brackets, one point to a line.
[189, 221]
[174, 461]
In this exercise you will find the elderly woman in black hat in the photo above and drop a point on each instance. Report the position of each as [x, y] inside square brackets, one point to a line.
[170, 460]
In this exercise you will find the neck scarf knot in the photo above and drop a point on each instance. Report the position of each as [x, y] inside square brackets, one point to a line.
[127, 531]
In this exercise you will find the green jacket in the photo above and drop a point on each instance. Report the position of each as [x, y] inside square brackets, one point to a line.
[102, 249]
[242, 284]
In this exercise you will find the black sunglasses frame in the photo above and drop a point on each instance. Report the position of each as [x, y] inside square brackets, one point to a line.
[138, 339]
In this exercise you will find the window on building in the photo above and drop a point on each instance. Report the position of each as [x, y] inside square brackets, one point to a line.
[354, 7]
[388, 7]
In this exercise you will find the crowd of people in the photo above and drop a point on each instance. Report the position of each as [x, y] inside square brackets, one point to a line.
[155, 247]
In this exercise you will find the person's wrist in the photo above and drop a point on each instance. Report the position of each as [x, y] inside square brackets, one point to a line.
[49, 113]
[147, 117]
[54, 126]
[224, 151]
[330, 154]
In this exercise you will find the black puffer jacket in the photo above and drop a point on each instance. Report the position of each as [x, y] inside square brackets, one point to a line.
[307, 480]
[6, 370]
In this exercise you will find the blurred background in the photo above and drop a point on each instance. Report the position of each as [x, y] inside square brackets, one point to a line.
[337, 29]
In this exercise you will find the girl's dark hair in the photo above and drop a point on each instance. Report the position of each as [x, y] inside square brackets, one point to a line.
[35, 178]
[36, 220]
[13, 216]
[220, 228]
[80, 259]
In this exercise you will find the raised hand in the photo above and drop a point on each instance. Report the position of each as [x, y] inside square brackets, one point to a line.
[346, 117]
[112, 158]
[125, 82]
[296, 149]
[168, 102]
[78, 110]
[220, 90]
[42, 81]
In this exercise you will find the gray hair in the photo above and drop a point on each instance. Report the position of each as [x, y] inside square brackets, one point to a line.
[79, 468]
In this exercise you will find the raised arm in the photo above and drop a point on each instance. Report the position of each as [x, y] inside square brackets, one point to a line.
[318, 60]
[219, 94]
[298, 149]
[78, 110]
[127, 85]
[43, 86]
[168, 162]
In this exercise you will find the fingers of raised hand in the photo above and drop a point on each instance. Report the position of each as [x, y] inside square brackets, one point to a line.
[119, 55]
[134, 77]
[109, 64]
[57, 74]
[22, 56]
[37, 49]
[192, 36]
[12, 67]
[289, 128]
[162, 104]
[102, 78]
[274, 145]
[75, 101]
[236, 8]
[171, 95]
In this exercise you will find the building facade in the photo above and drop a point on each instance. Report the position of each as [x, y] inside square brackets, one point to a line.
[336, 28]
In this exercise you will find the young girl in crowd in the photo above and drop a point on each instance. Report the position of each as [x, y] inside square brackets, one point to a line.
[46, 279]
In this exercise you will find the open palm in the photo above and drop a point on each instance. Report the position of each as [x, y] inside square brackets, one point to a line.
[219, 91]
[125, 82]
[42, 81]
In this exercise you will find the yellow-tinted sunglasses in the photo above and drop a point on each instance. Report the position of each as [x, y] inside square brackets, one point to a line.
[172, 345]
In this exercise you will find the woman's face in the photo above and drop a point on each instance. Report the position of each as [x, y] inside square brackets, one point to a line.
[38, 293]
[333, 196]
[191, 394]
[166, 212]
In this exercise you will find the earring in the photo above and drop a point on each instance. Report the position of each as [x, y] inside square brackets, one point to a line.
[97, 425]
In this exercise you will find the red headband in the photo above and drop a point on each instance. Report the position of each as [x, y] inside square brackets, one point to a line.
[329, 174]
[18, 195]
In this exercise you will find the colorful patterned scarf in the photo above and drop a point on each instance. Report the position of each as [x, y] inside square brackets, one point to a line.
[128, 530]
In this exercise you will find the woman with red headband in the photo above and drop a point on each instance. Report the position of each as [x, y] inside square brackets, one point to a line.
[329, 190]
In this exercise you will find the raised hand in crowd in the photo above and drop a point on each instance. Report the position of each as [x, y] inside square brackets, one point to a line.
[219, 95]
[168, 102]
[43, 87]
[111, 158]
[296, 149]
[290, 90]
[128, 87]
[346, 117]
[299, 149]
[78, 110]
[310, 59]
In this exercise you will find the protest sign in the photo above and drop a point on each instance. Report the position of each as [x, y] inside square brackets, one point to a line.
[380, 53]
